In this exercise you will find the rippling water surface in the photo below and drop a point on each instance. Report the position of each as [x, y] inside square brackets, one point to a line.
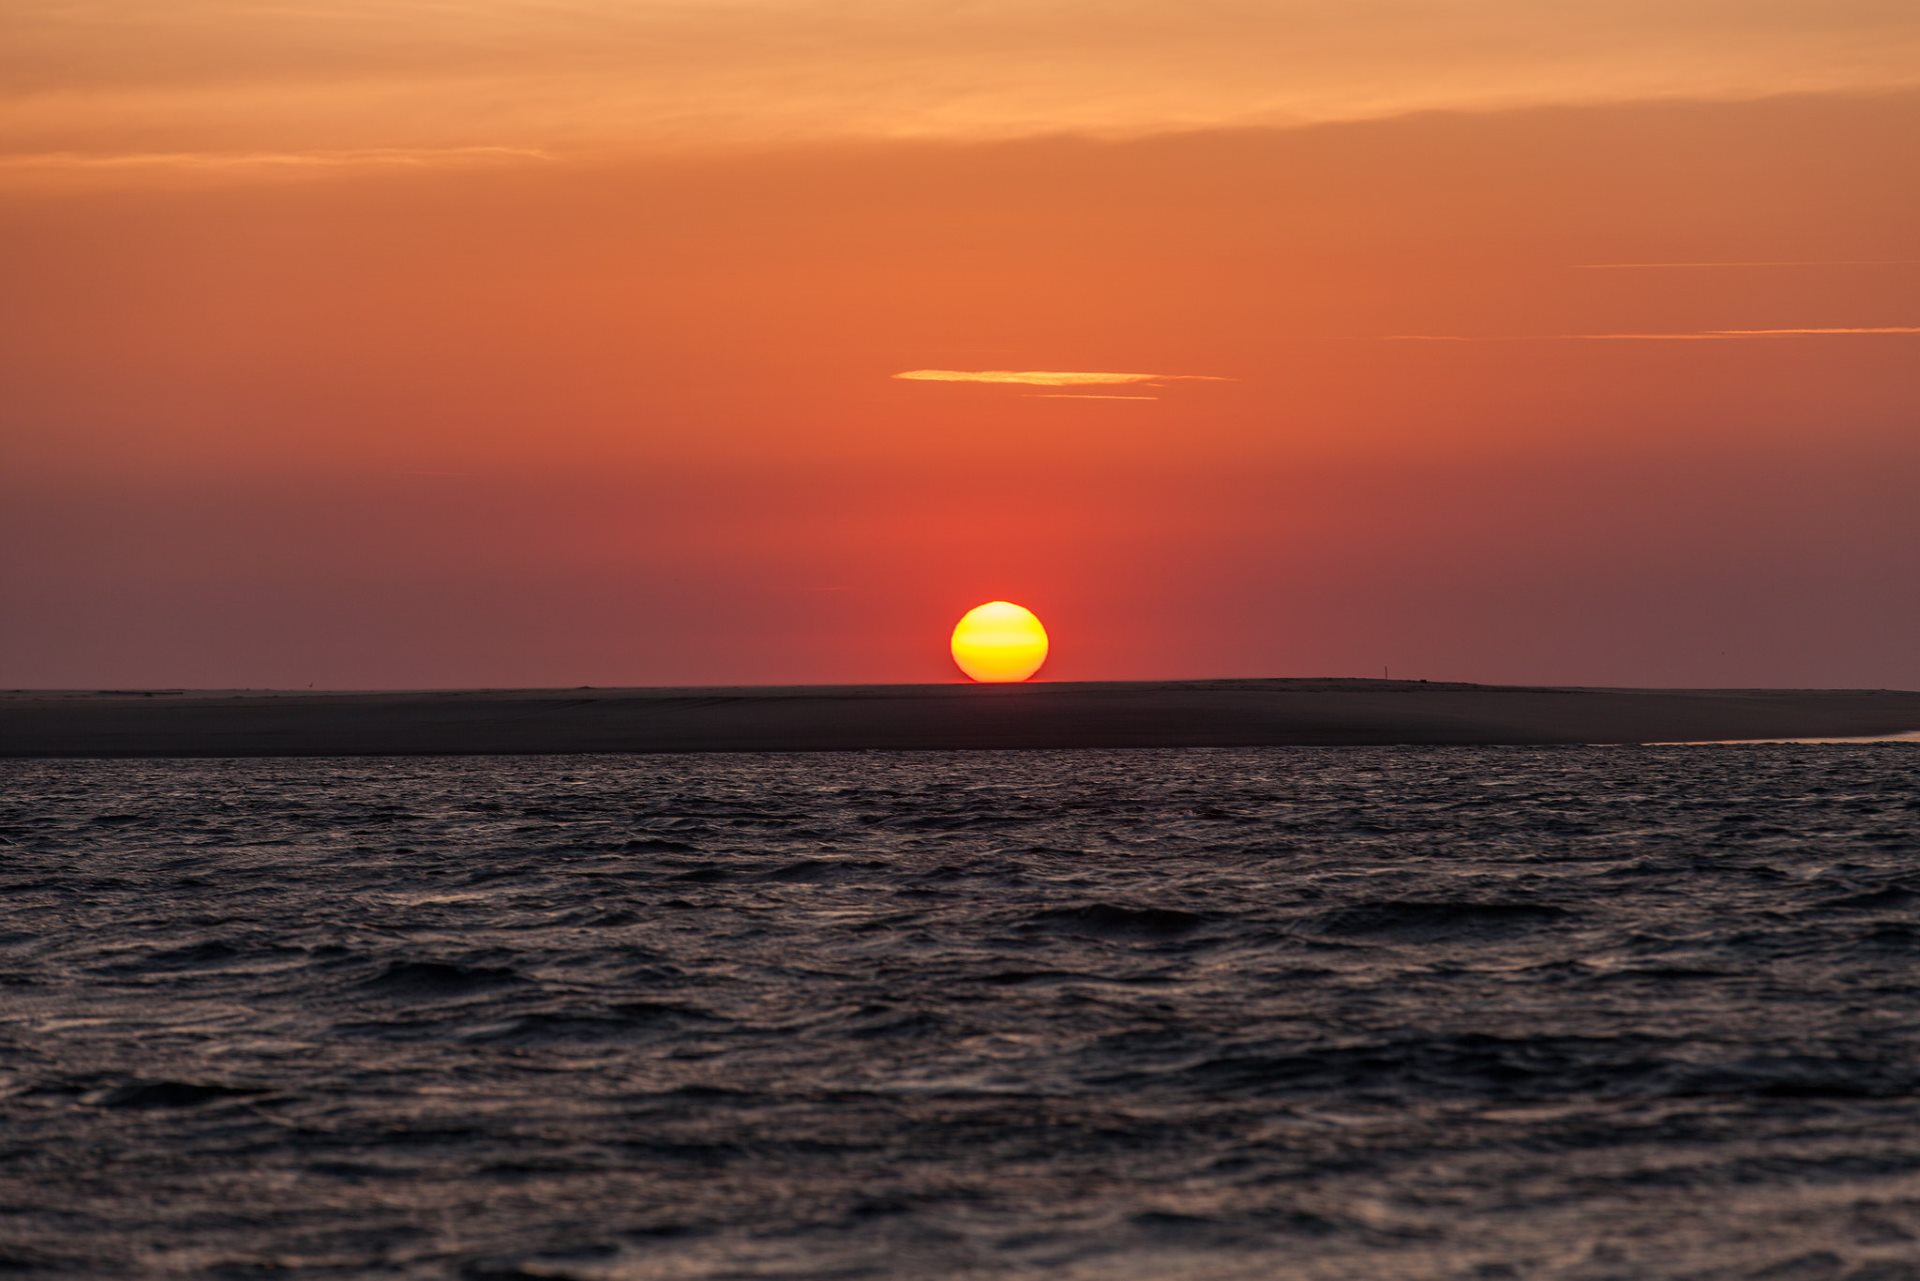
[1410, 1013]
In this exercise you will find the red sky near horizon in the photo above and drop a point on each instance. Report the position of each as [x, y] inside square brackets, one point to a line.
[400, 347]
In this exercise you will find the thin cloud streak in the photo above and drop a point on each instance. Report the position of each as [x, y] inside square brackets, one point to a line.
[1796, 333]
[1047, 377]
[1756, 264]
[222, 161]
[1081, 395]
[1704, 335]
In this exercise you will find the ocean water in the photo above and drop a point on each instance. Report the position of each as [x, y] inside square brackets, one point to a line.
[1349, 1013]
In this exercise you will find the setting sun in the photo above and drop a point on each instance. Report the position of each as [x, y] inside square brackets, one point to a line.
[999, 641]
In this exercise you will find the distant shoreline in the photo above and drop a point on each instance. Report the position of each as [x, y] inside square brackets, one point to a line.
[1214, 713]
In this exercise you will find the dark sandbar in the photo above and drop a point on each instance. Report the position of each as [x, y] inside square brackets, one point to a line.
[1221, 713]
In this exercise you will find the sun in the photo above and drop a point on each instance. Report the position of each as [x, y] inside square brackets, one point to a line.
[999, 642]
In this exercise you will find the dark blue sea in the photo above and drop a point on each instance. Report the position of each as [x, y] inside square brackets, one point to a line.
[1348, 1013]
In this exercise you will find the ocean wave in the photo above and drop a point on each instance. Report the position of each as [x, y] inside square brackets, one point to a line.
[1557, 1013]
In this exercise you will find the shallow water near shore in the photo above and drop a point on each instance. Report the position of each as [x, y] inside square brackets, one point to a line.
[1383, 1013]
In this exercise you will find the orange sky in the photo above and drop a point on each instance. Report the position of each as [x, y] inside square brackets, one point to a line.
[394, 345]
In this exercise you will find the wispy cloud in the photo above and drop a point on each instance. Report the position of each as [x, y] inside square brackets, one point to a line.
[1701, 335]
[1048, 377]
[1081, 395]
[608, 71]
[1798, 333]
[243, 161]
[1763, 263]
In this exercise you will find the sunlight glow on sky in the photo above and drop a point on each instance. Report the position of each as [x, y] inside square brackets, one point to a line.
[410, 344]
